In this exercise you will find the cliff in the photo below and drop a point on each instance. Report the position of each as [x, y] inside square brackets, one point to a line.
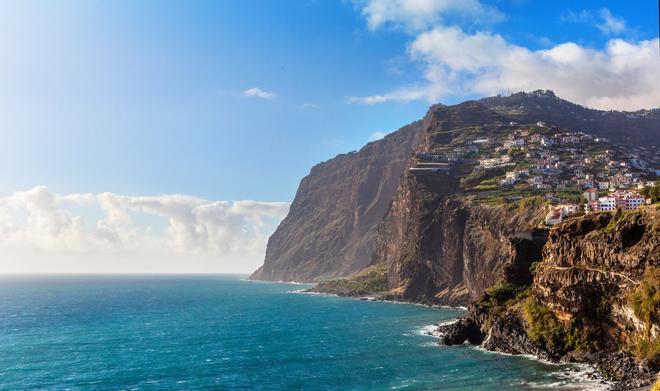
[447, 250]
[441, 245]
[439, 236]
[438, 243]
[331, 227]
[595, 297]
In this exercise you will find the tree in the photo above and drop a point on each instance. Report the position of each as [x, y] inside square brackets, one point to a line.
[652, 192]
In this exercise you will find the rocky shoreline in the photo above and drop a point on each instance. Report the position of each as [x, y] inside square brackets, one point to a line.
[617, 370]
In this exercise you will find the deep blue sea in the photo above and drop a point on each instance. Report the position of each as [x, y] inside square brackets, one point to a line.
[220, 332]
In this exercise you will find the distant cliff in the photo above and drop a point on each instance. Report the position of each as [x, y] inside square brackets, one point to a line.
[331, 227]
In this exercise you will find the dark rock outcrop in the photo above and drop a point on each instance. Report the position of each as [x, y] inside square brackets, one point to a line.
[458, 333]
[507, 335]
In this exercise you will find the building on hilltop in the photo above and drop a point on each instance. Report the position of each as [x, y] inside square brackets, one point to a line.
[558, 213]
[620, 199]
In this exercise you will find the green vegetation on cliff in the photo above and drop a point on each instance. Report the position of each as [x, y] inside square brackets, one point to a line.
[652, 192]
[369, 281]
[645, 299]
[645, 302]
[542, 325]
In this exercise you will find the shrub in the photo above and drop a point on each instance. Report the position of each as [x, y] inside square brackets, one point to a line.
[645, 303]
[485, 187]
[501, 292]
[652, 192]
[645, 299]
[543, 326]
[614, 221]
[646, 347]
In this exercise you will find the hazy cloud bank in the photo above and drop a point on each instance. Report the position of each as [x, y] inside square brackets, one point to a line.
[44, 231]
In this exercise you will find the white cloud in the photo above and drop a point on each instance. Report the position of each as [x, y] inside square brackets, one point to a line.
[583, 16]
[257, 92]
[416, 15]
[375, 136]
[603, 20]
[610, 24]
[308, 105]
[623, 75]
[184, 233]
[459, 64]
[403, 94]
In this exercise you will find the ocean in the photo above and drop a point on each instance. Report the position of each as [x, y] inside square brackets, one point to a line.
[225, 333]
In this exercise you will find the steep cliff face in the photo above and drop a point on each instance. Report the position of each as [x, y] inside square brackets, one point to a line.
[447, 250]
[441, 246]
[331, 228]
[595, 297]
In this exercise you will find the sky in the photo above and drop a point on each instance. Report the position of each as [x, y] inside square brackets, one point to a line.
[170, 136]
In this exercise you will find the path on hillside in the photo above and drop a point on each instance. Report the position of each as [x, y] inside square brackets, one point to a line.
[594, 270]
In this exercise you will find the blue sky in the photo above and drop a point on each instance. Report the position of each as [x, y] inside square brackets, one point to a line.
[236, 100]
[145, 97]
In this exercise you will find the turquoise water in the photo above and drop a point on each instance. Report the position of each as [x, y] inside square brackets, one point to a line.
[219, 332]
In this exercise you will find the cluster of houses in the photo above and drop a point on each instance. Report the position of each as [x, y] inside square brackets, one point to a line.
[540, 157]
[618, 199]
[536, 158]
[564, 160]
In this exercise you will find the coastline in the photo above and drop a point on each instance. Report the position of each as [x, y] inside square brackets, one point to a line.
[590, 373]
[378, 298]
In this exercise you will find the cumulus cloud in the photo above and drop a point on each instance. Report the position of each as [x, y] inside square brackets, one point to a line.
[458, 64]
[184, 233]
[416, 15]
[257, 92]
